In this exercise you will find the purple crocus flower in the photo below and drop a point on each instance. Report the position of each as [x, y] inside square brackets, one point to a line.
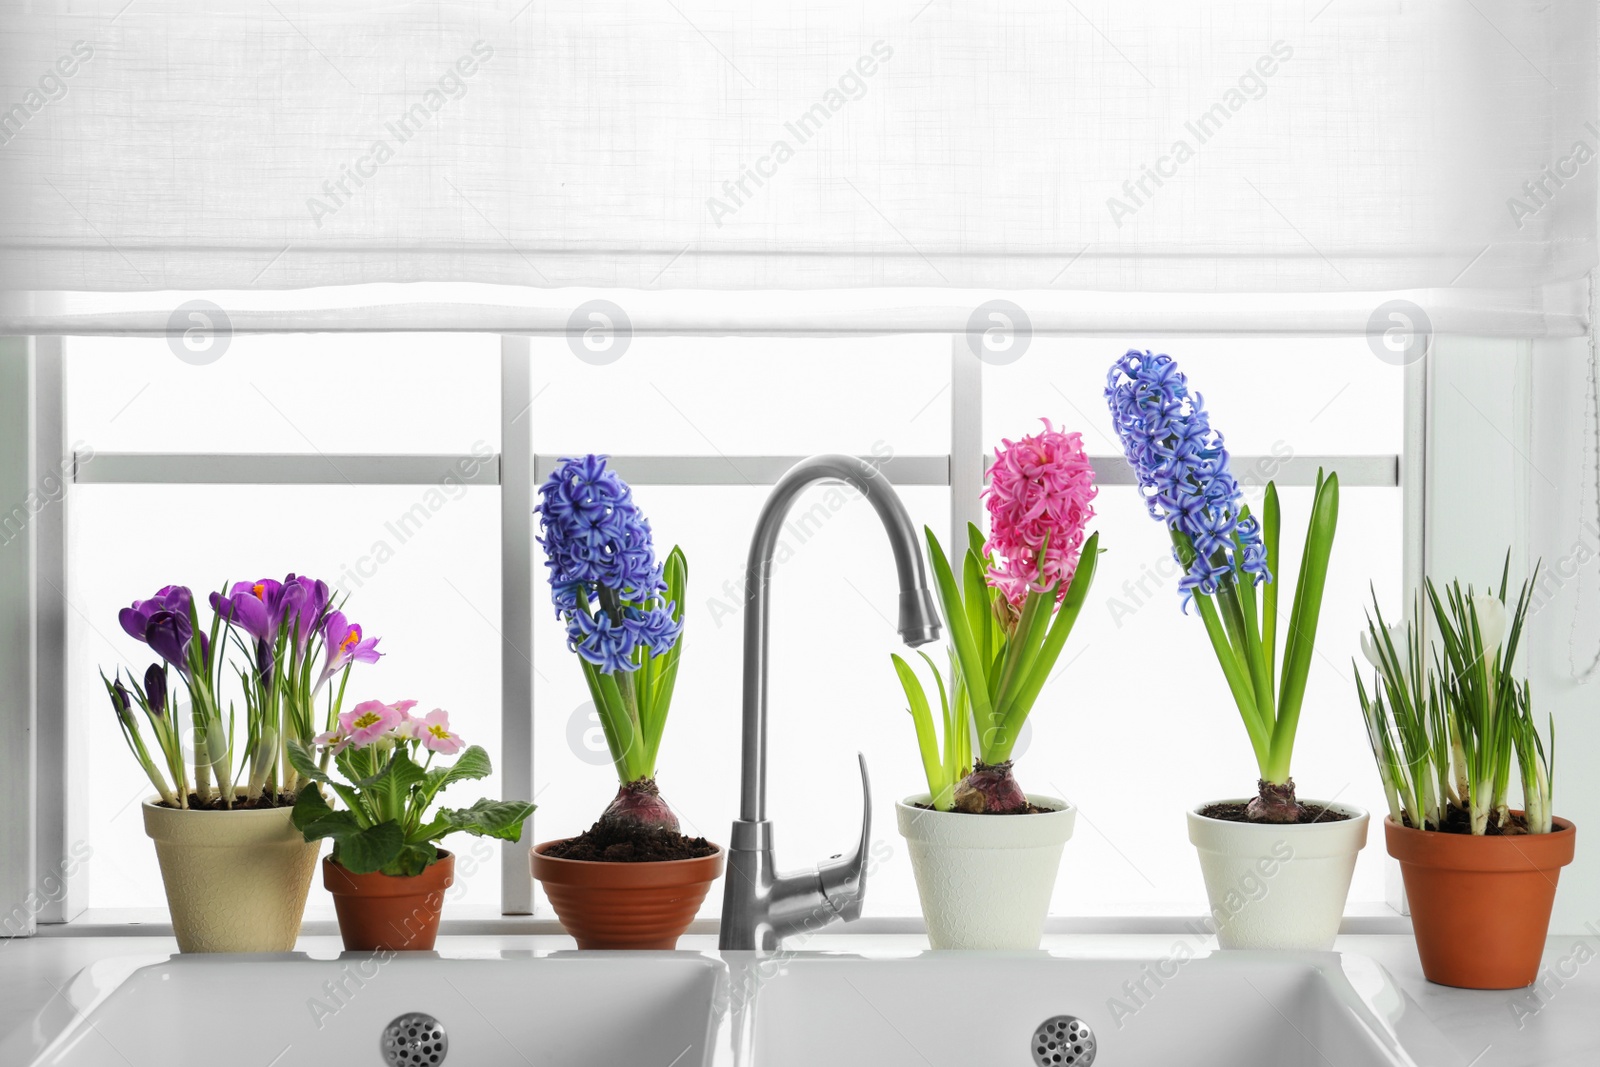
[155, 688]
[345, 644]
[255, 607]
[304, 602]
[1182, 467]
[169, 634]
[135, 619]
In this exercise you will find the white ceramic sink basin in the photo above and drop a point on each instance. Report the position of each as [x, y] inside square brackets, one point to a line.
[1232, 1009]
[288, 1011]
[687, 1009]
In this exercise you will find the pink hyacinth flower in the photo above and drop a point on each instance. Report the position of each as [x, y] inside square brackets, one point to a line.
[1039, 495]
[368, 721]
[434, 731]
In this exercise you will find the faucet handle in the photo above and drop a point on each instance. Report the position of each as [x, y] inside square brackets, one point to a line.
[844, 878]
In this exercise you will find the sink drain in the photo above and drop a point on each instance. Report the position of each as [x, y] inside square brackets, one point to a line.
[1064, 1041]
[414, 1040]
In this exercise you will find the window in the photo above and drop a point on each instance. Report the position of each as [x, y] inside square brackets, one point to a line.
[171, 484]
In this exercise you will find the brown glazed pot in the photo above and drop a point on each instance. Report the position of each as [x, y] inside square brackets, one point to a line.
[626, 905]
[1480, 906]
[386, 913]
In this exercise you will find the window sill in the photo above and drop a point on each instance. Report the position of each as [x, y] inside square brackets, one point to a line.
[1360, 918]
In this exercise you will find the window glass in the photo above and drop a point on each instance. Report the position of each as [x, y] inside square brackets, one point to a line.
[713, 396]
[318, 392]
[1267, 395]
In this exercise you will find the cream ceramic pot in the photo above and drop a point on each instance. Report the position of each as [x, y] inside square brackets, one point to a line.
[985, 880]
[1278, 886]
[236, 880]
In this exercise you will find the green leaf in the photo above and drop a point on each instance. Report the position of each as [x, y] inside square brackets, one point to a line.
[412, 859]
[973, 666]
[1237, 595]
[309, 809]
[591, 676]
[472, 764]
[1043, 663]
[301, 759]
[401, 772]
[975, 540]
[500, 819]
[665, 671]
[621, 733]
[980, 617]
[346, 759]
[1022, 648]
[1271, 520]
[1227, 659]
[927, 738]
[1303, 622]
[676, 574]
[371, 849]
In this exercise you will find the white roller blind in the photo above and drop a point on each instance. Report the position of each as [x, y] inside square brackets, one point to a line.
[1348, 145]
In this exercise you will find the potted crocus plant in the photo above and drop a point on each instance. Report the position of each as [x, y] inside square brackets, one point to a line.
[235, 869]
[1277, 869]
[1480, 876]
[985, 854]
[632, 880]
[387, 874]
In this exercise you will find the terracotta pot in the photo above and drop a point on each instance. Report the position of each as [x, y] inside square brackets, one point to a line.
[387, 913]
[1480, 906]
[236, 881]
[626, 905]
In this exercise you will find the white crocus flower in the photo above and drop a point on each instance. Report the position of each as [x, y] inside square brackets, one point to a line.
[1491, 615]
[1371, 649]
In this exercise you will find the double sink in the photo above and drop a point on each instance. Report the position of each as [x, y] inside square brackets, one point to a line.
[688, 1009]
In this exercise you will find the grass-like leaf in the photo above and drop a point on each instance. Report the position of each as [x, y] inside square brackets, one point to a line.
[974, 667]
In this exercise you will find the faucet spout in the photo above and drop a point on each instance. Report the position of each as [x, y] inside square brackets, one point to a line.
[759, 905]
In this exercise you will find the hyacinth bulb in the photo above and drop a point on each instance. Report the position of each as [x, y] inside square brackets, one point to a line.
[639, 804]
[1274, 803]
[990, 790]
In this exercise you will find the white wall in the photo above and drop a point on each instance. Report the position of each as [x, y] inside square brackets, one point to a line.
[1564, 529]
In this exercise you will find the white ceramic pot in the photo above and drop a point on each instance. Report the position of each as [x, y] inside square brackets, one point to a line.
[985, 880]
[1278, 886]
[236, 880]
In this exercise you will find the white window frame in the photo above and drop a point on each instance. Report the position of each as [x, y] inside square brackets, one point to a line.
[44, 779]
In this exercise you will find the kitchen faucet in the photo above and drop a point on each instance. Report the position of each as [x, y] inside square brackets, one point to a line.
[759, 905]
